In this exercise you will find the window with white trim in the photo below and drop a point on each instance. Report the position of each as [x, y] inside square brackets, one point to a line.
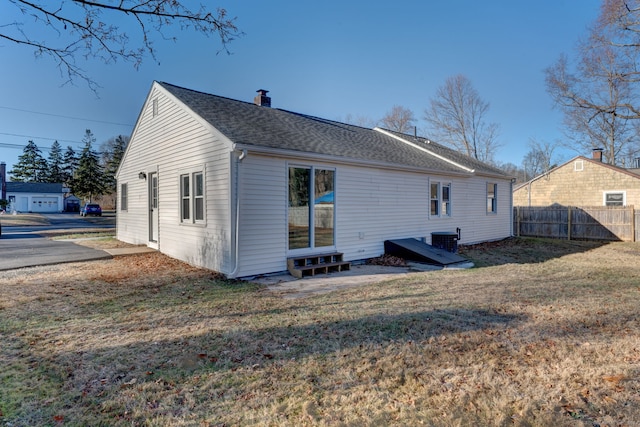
[185, 196]
[192, 197]
[439, 199]
[492, 198]
[615, 198]
[198, 196]
[123, 197]
[311, 213]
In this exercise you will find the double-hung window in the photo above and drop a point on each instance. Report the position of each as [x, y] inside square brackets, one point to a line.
[492, 199]
[198, 196]
[439, 199]
[192, 197]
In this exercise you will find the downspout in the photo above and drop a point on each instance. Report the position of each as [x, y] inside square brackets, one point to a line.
[236, 222]
[513, 180]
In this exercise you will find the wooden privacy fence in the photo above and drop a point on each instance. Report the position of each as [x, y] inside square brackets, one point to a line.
[584, 223]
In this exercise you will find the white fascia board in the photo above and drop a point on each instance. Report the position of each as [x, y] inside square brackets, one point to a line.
[389, 134]
[303, 155]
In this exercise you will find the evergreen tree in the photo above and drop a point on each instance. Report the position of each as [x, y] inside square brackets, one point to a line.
[88, 180]
[54, 172]
[31, 166]
[69, 166]
[112, 153]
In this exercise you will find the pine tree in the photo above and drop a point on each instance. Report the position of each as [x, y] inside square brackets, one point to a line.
[31, 166]
[112, 153]
[54, 172]
[69, 166]
[88, 180]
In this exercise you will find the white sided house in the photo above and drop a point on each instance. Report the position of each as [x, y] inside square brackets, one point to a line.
[241, 187]
[35, 197]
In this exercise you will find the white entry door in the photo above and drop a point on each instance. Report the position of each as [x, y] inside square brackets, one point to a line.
[153, 207]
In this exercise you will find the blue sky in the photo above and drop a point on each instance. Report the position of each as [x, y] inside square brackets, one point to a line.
[331, 59]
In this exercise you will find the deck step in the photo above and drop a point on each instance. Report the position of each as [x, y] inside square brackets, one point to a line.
[311, 265]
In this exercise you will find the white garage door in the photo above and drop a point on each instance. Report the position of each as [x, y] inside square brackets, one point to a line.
[44, 204]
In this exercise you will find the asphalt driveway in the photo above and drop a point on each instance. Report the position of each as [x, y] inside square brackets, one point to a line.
[18, 250]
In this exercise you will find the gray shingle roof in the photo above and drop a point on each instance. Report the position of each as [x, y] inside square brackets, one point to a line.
[248, 125]
[453, 155]
[33, 187]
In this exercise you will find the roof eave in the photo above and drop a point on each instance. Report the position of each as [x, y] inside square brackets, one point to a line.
[293, 154]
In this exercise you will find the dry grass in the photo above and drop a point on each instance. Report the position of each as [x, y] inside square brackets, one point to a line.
[544, 333]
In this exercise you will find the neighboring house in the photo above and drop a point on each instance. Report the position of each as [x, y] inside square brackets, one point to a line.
[239, 188]
[581, 182]
[35, 197]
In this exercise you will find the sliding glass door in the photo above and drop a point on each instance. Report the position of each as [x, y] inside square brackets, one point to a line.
[311, 207]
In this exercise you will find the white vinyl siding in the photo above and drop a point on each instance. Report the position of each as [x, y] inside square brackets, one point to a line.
[173, 143]
[371, 204]
[263, 215]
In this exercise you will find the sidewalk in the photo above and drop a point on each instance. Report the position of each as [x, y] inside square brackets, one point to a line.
[20, 250]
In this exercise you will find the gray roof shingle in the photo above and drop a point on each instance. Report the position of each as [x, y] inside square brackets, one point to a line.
[33, 187]
[248, 124]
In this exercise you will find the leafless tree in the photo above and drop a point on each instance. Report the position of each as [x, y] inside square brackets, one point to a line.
[598, 91]
[457, 117]
[539, 159]
[399, 119]
[361, 121]
[67, 30]
[512, 169]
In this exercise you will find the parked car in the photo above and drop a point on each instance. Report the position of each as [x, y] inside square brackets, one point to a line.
[91, 209]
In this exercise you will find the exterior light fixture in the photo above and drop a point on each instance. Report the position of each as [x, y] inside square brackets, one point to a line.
[142, 175]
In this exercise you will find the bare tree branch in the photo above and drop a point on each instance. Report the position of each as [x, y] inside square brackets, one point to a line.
[457, 117]
[83, 29]
[399, 119]
[598, 94]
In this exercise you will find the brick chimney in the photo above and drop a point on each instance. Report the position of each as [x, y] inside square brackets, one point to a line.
[3, 180]
[262, 99]
[597, 154]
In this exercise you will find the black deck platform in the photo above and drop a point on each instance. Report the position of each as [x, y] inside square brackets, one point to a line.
[415, 250]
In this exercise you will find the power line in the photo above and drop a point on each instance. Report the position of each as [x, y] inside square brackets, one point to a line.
[41, 137]
[21, 146]
[66, 117]
[7, 145]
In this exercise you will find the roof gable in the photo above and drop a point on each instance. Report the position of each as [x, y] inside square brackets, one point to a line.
[597, 163]
[249, 125]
